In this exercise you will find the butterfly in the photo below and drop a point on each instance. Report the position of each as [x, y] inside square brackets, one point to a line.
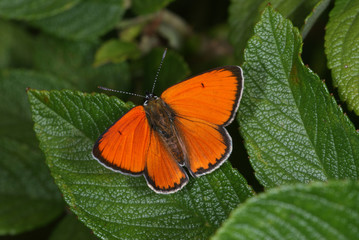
[184, 127]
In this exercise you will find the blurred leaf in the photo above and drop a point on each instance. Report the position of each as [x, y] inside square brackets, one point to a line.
[244, 14]
[87, 20]
[341, 45]
[117, 206]
[296, 10]
[28, 196]
[15, 121]
[15, 46]
[242, 17]
[174, 70]
[314, 211]
[130, 33]
[73, 62]
[313, 16]
[34, 9]
[115, 51]
[71, 228]
[141, 7]
[293, 129]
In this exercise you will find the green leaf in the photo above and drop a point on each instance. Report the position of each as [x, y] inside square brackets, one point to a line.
[341, 47]
[142, 7]
[71, 228]
[36, 9]
[293, 129]
[16, 121]
[87, 20]
[73, 62]
[242, 17]
[15, 46]
[28, 196]
[296, 10]
[115, 51]
[113, 205]
[314, 211]
[174, 69]
[244, 14]
[313, 16]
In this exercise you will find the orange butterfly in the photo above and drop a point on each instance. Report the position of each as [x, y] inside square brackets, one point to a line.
[183, 127]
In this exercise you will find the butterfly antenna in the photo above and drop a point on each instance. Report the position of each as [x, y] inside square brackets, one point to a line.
[158, 71]
[124, 92]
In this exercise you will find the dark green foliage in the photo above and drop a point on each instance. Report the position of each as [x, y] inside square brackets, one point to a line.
[302, 149]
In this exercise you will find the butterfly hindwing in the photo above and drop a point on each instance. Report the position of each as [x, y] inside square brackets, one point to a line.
[207, 145]
[162, 172]
[123, 146]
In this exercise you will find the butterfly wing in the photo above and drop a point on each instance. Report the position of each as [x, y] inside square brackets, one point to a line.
[162, 172]
[204, 105]
[131, 147]
[207, 145]
[212, 96]
[123, 146]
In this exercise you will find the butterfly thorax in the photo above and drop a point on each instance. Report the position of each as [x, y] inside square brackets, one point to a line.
[161, 118]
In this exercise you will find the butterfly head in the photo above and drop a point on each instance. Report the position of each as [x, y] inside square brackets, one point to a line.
[149, 97]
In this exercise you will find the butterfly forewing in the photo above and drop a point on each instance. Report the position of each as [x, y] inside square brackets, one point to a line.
[212, 96]
[123, 146]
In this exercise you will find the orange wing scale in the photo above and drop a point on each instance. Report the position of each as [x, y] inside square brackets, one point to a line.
[207, 145]
[212, 96]
[123, 146]
[204, 105]
[162, 171]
